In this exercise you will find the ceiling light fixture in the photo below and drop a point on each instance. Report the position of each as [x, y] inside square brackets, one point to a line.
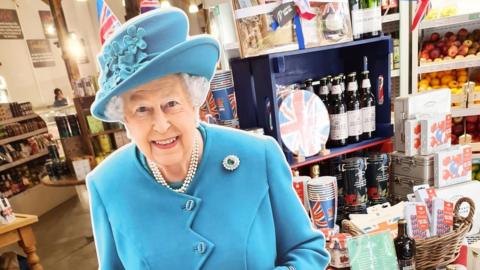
[165, 4]
[192, 8]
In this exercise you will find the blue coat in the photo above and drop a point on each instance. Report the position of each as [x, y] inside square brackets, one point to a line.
[248, 218]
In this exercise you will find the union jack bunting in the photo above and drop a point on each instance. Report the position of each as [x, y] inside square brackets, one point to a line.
[147, 5]
[107, 20]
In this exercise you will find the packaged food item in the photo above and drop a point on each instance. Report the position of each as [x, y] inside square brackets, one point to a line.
[413, 137]
[442, 217]
[436, 133]
[426, 195]
[338, 250]
[406, 108]
[453, 166]
[418, 225]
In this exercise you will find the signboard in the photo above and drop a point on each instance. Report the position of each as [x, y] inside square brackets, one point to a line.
[41, 53]
[47, 24]
[9, 25]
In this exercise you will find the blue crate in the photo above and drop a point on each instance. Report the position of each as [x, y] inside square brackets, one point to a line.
[255, 79]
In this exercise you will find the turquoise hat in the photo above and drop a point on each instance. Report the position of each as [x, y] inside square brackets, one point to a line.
[148, 47]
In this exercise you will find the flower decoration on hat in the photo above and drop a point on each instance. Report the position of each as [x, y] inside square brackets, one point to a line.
[121, 59]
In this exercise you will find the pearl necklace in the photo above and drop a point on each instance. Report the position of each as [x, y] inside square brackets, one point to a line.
[192, 168]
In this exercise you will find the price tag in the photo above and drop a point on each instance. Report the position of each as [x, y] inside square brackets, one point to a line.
[284, 13]
[474, 16]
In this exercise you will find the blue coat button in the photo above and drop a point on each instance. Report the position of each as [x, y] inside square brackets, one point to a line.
[189, 205]
[201, 247]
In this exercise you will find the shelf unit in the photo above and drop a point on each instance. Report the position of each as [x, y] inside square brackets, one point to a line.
[18, 119]
[22, 161]
[447, 21]
[257, 78]
[23, 136]
[82, 106]
[467, 62]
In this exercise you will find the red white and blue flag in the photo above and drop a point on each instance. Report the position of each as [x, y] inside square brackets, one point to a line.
[304, 123]
[318, 216]
[107, 20]
[147, 5]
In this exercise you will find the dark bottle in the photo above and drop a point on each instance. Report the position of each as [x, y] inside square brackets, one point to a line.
[356, 17]
[404, 247]
[338, 116]
[367, 104]
[354, 112]
[341, 76]
[372, 18]
[323, 91]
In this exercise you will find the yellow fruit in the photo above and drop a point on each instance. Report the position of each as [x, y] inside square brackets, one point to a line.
[435, 82]
[436, 87]
[433, 75]
[453, 84]
[462, 73]
[446, 79]
[477, 88]
[462, 79]
[424, 81]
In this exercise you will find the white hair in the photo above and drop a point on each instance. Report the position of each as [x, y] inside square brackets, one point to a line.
[196, 86]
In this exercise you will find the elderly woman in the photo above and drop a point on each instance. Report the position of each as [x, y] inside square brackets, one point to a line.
[184, 194]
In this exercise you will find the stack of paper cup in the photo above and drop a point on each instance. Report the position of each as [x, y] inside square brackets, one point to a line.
[300, 186]
[322, 194]
[223, 94]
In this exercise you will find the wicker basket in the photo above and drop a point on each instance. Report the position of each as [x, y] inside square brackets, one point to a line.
[436, 251]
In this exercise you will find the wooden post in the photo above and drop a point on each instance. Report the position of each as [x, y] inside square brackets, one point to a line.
[63, 38]
[132, 9]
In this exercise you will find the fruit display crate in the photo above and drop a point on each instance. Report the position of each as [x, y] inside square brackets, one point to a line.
[256, 80]
[466, 62]
[447, 21]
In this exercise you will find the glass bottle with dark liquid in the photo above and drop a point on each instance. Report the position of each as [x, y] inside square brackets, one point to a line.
[338, 116]
[354, 112]
[404, 247]
[367, 104]
[323, 91]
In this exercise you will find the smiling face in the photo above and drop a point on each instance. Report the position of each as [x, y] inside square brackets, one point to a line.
[161, 120]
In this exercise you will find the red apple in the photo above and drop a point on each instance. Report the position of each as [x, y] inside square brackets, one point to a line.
[452, 51]
[454, 139]
[476, 34]
[441, 44]
[425, 54]
[462, 34]
[472, 51]
[435, 37]
[475, 45]
[457, 120]
[448, 34]
[463, 50]
[471, 127]
[445, 50]
[457, 43]
[457, 129]
[472, 119]
[452, 37]
[434, 54]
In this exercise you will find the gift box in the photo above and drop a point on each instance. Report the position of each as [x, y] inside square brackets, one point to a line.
[407, 108]
[337, 247]
[436, 133]
[453, 166]
[442, 217]
[272, 26]
[413, 137]
[418, 224]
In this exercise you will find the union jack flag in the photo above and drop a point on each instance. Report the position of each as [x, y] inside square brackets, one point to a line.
[318, 216]
[302, 127]
[107, 20]
[147, 5]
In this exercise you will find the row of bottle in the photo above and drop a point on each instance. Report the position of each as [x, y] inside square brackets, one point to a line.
[20, 128]
[22, 149]
[351, 109]
[366, 16]
[21, 109]
[21, 178]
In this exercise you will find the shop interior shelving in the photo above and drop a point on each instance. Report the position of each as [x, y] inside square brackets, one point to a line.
[258, 77]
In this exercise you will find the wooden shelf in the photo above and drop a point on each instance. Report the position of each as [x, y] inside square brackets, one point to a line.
[64, 181]
[391, 18]
[458, 19]
[107, 132]
[18, 119]
[465, 112]
[21, 161]
[334, 152]
[466, 62]
[23, 136]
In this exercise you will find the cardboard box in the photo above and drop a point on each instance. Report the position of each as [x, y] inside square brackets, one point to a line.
[406, 108]
[436, 133]
[453, 166]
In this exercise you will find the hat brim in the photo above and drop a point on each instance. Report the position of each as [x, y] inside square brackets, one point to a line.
[197, 56]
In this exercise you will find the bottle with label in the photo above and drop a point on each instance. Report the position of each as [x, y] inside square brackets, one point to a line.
[404, 247]
[354, 112]
[341, 76]
[372, 18]
[307, 85]
[367, 104]
[356, 13]
[323, 91]
[338, 116]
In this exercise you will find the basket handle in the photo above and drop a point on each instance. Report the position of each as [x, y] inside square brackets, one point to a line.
[471, 212]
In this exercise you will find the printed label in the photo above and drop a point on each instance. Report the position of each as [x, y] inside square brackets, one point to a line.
[338, 126]
[336, 89]
[354, 123]
[406, 264]
[324, 90]
[352, 86]
[366, 20]
[368, 119]
[366, 83]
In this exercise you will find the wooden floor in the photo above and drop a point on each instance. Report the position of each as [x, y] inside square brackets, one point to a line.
[61, 242]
